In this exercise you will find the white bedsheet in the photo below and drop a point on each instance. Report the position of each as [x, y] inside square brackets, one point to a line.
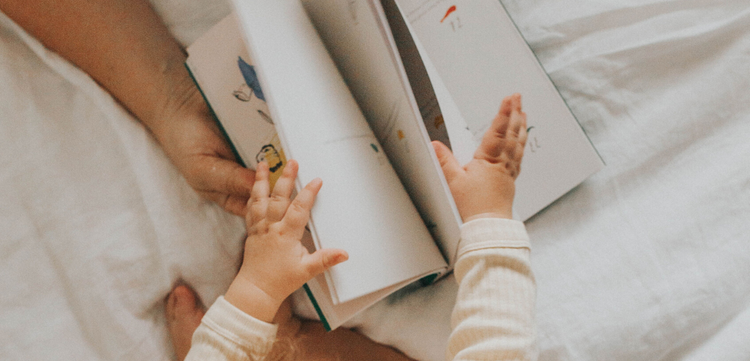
[647, 260]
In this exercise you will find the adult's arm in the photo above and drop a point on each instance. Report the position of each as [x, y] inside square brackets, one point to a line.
[126, 48]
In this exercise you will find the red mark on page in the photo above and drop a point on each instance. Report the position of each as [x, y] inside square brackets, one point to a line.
[450, 10]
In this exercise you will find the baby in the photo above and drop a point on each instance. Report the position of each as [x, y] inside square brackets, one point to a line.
[493, 316]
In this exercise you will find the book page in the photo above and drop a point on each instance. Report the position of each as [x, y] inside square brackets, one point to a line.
[334, 314]
[481, 58]
[441, 117]
[342, 312]
[414, 67]
[362, 208]
[358, 38]
[222, 67]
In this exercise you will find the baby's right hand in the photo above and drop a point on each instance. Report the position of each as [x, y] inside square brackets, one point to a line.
[486, 185]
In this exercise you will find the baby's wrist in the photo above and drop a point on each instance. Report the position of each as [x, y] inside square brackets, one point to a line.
[477, 210]
[252, 300]
[504, 215]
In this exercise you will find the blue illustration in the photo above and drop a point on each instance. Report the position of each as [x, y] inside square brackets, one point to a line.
[251, 78]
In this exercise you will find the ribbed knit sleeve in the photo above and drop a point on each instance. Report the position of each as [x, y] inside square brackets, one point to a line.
[493, 318]
[227, 333]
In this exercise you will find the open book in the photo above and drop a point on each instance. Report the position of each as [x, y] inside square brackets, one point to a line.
[355, 91]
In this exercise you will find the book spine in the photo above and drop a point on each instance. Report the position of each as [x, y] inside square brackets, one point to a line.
[317, 308]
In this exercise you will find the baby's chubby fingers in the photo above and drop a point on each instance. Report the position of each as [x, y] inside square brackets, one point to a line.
[258, 202]
[282, 192]
[298, 213]
[516, 118]
[505, 139]
[518, 122]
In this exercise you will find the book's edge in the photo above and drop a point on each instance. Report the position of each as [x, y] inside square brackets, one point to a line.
[430, 279]
[546, 73]
[334, 316]
[319, 311]
[213, 115]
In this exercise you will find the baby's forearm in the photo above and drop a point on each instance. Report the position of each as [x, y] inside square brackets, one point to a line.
[494, 313]
[227, 333]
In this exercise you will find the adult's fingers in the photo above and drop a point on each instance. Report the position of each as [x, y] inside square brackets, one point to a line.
[449, 163]
[298, 213]
[282, 191]
[324, 259]
[258, 202]
[234, 204]
[212, 174]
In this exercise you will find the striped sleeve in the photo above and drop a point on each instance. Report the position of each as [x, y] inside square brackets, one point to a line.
[226, 333]
[493, 318]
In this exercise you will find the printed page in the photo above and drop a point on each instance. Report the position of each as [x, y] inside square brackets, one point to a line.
[481, 58]
[222, 67]
[441, 117]
[358, 38]
[414, 67]
[362, 208]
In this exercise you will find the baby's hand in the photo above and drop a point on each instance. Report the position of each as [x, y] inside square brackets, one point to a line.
[276, 263]
[486, 184]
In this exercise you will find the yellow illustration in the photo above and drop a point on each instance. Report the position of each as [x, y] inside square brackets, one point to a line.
[439, 121]
[273, 155]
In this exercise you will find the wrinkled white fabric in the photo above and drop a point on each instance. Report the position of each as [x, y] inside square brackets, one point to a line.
[646, 260]
[95, 223]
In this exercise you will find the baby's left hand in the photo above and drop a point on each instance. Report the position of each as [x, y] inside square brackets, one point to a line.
[275, 262]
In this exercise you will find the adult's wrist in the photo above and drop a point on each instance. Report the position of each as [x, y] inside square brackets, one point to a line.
[183, 101]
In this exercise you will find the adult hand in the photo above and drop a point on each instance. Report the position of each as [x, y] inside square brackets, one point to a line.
[194, 143]
[486, 185]
[149, 79]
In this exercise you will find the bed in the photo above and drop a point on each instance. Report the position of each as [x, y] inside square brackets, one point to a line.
[649, 259]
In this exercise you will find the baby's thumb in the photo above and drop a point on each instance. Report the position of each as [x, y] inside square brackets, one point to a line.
[448, 162]
[324, 259]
